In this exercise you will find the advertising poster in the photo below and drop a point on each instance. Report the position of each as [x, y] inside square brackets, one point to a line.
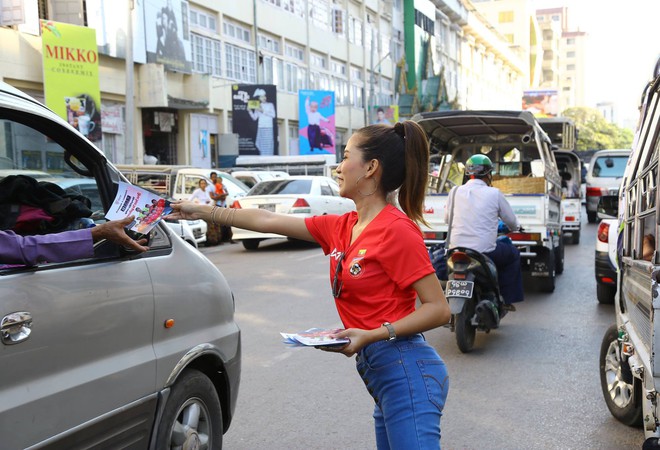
[167, 34]
[317, 122]
[541, 102]
[110, 20]
[387, 114]
[147, 208]
[254, 118]
[71, 75]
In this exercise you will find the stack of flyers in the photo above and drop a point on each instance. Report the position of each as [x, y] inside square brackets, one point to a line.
[314, 337]
[148, 208]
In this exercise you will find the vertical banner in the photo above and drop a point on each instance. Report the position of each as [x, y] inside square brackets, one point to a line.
[317, 122]
[254, 118]
[388, 114]
[541, 102]
[110, 20]
[167, 34]
[71, 75]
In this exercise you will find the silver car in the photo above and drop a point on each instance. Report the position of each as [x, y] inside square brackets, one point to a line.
[604, 177]
[119, 350]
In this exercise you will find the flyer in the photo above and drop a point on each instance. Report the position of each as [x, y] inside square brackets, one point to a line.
[148, 208]
[314, 337]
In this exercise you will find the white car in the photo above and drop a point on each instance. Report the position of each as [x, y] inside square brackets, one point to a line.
[191, 231]
[302, 196]
[252, 177]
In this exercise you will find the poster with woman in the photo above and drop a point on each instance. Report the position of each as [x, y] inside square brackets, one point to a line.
[317, 122]
[167, 34]
[254, 118]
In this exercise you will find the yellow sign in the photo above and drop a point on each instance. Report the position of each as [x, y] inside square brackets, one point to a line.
[71, 75]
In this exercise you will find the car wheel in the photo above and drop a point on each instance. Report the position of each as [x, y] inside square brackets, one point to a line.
[592, 217]
[251, 244]
[192, 417]
[605, 293]
[622, 391]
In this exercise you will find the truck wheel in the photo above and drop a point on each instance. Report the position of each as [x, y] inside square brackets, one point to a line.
[592, 217]
[605, 293]
[559, 258]
[547, 284]
[465, 331]
[622, 391]
[251, 244]
[192, 417]
[575, 239]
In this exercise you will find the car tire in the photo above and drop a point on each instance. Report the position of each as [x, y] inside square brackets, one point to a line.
[251, 244]
[622, 392]
[592, 217]
[192, 414]
[605, 293]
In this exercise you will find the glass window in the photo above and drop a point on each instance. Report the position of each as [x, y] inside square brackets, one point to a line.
[609, 166]
[282, 186]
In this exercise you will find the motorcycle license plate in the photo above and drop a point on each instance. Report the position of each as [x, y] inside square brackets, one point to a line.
[459, 288]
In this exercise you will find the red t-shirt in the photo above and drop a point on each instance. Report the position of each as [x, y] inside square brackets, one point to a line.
[378, 269]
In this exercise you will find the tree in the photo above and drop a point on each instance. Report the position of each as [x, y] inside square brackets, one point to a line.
[595, 133]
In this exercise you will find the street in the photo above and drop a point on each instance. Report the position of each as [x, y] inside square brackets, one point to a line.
[531, 384]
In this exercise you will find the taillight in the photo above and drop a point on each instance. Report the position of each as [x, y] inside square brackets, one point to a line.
[603, 232]
[595, 191]
[300, 203]
[569, 218]
[516, 236]
[460, 257]
[236, 205]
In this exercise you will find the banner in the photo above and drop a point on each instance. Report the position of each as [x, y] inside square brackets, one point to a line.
[254, 118]
[167, 34]
[317, 122]
[388, 114]
[110, 20]
[71, 75]
[541, 102]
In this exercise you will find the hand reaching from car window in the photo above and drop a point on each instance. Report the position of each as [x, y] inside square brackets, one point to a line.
[114, 231]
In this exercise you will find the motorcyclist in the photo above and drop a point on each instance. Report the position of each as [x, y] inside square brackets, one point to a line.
[477, 207]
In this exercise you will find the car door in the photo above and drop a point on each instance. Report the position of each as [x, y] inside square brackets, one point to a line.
[80, 350]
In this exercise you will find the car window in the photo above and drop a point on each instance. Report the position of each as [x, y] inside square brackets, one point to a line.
[282, 186]
[191, 182]
[325, 189]
[609, 166]
[235, 188]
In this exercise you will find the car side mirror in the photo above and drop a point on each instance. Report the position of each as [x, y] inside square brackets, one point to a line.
[608, 207]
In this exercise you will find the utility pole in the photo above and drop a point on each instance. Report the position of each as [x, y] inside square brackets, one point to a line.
[129, 106]
[256, 42]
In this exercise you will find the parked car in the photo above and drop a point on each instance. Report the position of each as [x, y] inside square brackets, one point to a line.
[120, 349]
[604, 177]
[606, 247]
[252, 177]
[302, 196]
[191, 231]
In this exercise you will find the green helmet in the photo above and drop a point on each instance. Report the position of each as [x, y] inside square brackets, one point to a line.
[478, 165]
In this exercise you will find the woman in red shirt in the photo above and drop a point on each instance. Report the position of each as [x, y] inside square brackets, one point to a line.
[379, 266]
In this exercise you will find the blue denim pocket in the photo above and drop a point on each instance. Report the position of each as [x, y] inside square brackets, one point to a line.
[436, 380]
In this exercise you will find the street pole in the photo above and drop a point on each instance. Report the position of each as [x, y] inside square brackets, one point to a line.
[256, 41]
[129, 104]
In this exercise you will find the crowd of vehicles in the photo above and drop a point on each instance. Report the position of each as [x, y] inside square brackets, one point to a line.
[102, 352]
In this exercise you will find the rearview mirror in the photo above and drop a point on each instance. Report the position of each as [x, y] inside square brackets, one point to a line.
[608, 207]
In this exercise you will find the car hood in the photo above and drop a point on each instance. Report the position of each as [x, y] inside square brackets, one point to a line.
[447, 129]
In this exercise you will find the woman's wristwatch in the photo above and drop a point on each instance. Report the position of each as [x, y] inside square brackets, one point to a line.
[390, 330]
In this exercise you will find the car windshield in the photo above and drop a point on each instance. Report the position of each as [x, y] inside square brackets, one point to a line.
[282, 186]
[610, 166]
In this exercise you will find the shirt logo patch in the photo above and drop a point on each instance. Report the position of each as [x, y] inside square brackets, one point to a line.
[357, 267]
[362, 252]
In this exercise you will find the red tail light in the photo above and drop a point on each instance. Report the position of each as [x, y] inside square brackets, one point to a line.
[516, 236]
[569, 218]
[460, 257]
[236, 205]
[595, 191]
[603, 232]
[300, 203]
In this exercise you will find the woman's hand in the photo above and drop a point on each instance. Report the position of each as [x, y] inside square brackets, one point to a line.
[186, 210]
[358, 339]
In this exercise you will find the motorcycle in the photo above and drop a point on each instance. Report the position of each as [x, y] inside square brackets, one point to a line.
[473, 294]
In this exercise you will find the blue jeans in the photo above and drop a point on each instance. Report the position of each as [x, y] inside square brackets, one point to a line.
[408, 382]
[506, 257]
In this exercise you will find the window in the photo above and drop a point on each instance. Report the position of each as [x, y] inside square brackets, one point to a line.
[338, 21]
[570, 41]
[273, 70]
[295, 78]
[570, 67]
[356, 73]
[269, 43]
[355, 31]
[505, 17]
[206, 55]
[240, 64]
[509, 38]
[239, 32]
[570, 54]
[294, 51]
[317, 60]
[338, 67]
[319, 13]
[202, 20]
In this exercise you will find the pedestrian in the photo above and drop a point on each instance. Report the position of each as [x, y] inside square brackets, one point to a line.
[379, 266]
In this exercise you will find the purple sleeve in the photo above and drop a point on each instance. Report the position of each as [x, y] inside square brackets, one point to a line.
[56, 247]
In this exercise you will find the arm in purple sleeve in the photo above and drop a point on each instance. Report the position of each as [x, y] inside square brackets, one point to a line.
[56, 247]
